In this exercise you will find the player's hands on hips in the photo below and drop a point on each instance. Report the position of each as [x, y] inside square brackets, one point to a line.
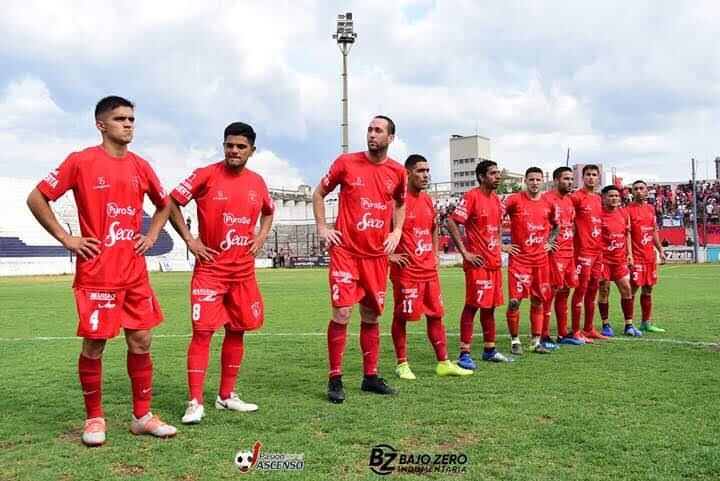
[473, 259]
[392, 241]
[143, 243]
[401, 260]
[201, 251]
[257, 244]
[512, 249]
[331, 236]
[85, 247]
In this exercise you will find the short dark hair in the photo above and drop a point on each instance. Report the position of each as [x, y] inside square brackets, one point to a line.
[391, 124]
[240, 128]
[110, 103]
[414, 159]
[560, 171]
[483, 167]
[533, 170]
[608, 188]
[590, 167]
[639, 181]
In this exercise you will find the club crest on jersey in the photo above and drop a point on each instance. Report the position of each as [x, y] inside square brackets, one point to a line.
[389, 186]
[101, 184]
[135, 181]
[252, 197]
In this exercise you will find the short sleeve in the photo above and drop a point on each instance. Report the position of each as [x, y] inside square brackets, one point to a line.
[335, 175]
[155, 190]
[401, 188]
[190, 187]
[60, 180]
[268, 206]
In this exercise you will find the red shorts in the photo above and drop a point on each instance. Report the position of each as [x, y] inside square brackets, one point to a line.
[644, 274]
[563, 272]
[415, 298]
[483, 287]
[614, 272]
[102, 313]
[525, 281]
[215, 303]
[588, 267]
[356, 279]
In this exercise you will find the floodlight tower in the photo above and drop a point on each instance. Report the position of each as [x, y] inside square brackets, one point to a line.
[345, 37]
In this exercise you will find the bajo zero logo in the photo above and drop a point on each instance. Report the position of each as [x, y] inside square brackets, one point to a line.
[381, 459]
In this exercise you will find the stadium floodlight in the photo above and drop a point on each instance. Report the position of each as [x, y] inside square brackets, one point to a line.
[345, 37]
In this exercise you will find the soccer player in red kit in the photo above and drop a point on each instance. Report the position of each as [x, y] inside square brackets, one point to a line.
[588, 253]
[414, 274]
[481, 211]
[224, 292]
[645, 240]
[528, 269]
[617, 255]
[111, 286]
[563, 274]
[368, 228]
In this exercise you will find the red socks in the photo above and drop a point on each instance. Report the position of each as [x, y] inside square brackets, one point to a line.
[627, 308]
[561, 314]
[90, 371]
[438, 339]
[646, 306]
[590, 305]
[547, 311]
[370, 346]
[487, 319]
[466, 324]
[604, 309]
[140, 370]
[399, 337]
[576, 308]
[230, 360]
[536, 320]
[336, 339]
[197, 363]
[513, 321]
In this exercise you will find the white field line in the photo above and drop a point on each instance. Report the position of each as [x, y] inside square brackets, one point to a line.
[352, 334]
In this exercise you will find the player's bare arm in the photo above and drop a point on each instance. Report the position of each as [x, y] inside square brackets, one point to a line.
[331, 236]
[393, 239]
[201, 252]
[144, 242]
[85, 247]
[454, 232]
[257, 243]
[659, 247]
[551, 244]
[628, 243]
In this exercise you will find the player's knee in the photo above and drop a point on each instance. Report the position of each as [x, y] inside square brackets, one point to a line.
[646, 290]
[341, 315]
[93, 348]
[139, 342]
[514, 304]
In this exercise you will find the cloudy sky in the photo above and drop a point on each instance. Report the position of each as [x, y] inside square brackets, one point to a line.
[634, 85]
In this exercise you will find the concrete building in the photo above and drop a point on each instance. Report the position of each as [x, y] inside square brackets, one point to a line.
[465, 153]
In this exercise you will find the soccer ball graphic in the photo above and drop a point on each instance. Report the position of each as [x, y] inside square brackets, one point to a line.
[244, 461]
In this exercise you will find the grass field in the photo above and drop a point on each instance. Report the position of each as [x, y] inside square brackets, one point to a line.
[629, 409]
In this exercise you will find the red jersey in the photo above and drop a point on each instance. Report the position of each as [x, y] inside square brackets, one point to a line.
[109, 194]
[642, 229]
[367, 191]
[562, 214]
[228, 207]
[588, 220]
[615, 226]
[529, 227]
[482, 215]
[416, 240]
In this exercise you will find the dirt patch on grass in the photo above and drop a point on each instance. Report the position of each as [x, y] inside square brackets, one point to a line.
[72, 436]
[128, 469]
[715, 348]
[460, 442]
[546, 419]
[187, 477]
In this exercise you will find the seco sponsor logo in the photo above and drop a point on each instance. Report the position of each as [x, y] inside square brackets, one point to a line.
[232, 240]
[368, 222]
[117, 233]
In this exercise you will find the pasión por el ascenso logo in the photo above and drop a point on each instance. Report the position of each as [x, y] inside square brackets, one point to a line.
[261, 461]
